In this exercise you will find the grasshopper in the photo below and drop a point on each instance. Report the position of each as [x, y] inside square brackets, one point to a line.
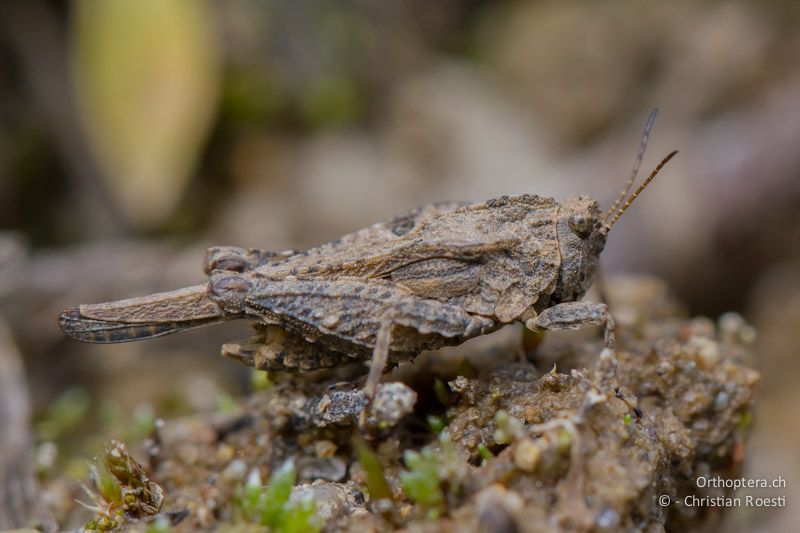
[435, 276]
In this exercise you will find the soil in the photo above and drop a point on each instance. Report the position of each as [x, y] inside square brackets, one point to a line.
[511, 439]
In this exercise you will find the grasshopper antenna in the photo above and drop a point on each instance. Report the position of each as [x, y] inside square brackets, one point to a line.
[639, 190]
[636, 164]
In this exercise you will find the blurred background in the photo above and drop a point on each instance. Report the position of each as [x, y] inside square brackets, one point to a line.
[135, 133]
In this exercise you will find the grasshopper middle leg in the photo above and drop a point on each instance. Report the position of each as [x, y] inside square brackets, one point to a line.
[408, 314]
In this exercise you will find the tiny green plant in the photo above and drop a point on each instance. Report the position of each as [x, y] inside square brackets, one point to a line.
[226, 404]
[486, 453]
[436, 423]
[377, 486]
[422, 481]
[122, 491]
[273, 507]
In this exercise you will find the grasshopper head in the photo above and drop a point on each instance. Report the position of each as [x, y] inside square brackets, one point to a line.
[581, 237]
[582, 229]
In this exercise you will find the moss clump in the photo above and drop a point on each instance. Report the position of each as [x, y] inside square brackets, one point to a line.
[422, 482]
[434, 475]
[486, 453]
[122, 492]
[273, 507]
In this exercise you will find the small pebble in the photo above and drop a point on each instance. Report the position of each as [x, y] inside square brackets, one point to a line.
[721, 400]
[330, 469]
[706, 350]
[225, 453]
[608, 519]
[235, 471]
[733, 327]
[324, 449]
[526, 455]
[459, 384]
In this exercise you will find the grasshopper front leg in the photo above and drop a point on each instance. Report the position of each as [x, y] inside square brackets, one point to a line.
[573, 315]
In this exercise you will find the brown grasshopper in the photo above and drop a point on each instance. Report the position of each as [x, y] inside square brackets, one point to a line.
[435, 276]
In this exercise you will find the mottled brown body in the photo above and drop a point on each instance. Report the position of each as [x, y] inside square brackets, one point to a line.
[440, 275]
[432, 277]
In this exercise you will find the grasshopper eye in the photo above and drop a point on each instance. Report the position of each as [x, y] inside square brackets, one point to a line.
[581, 223]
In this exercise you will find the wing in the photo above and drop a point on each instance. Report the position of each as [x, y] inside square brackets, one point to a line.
[140, 318]
[494, 259]
[238, 259]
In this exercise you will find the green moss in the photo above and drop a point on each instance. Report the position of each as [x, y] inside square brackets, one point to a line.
[122, 490]
[744, 421]
[300, 518]
[436, 423]
[106, 483]
[443, 394]
[466, 369]
[508, 428]
[485, 452]
[422, 482]
[143, 423]
[275, 499]
[272, 506]
[105, 523]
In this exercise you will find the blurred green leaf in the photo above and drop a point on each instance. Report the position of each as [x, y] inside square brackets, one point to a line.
[377, 485]
[276, 496]
[147, 76]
